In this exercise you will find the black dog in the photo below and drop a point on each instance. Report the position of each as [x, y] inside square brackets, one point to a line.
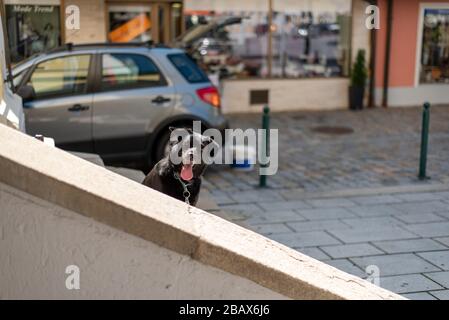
[181, 179]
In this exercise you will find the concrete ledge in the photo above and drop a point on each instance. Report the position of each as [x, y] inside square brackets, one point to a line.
[95, 192]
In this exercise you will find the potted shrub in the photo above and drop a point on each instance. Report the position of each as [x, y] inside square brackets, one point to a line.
[358, 81]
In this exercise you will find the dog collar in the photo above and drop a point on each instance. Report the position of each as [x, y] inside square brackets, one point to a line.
[186, 192]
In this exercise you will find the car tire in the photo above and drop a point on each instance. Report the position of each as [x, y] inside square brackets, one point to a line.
[161, 147]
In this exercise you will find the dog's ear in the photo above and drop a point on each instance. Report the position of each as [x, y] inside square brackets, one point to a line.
[171, 128]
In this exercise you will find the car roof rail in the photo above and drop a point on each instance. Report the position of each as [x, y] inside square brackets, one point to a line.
[69, 46]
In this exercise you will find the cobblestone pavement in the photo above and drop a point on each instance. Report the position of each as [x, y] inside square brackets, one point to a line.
[383, 150]
[353, 200]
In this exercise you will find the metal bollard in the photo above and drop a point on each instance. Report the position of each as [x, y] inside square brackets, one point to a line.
[266, 147]
[424, 141]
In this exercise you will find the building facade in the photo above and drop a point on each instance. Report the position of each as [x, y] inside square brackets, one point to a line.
[412, 53]
[38, 25]
[290, 54]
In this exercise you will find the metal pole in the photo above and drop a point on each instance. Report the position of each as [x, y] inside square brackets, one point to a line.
[270, 39]
[424, 141]
[266, 147]
[387, 54]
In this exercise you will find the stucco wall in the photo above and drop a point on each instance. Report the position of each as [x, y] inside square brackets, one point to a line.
[286, 94]
[360, 34]
[92, 22]
[38, 240]
[403, 90]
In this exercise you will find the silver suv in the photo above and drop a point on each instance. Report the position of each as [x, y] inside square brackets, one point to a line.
[116, 100]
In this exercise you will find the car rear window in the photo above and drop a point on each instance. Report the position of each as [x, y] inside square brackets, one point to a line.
[188, 68]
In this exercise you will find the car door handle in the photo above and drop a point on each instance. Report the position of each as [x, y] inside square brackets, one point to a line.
[160, 99]
[78, 107]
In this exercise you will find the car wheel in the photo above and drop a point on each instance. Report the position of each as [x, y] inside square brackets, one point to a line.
[163, 146]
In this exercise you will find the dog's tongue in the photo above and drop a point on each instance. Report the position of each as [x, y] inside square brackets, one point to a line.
[186, 172]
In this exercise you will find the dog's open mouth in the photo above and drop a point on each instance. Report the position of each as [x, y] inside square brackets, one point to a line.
[187, 172]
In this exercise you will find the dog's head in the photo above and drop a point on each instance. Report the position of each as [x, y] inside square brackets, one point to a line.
[188, 150]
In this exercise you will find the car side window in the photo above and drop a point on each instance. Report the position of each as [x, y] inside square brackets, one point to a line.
[61, 76]
[17, 79]
[128, 71]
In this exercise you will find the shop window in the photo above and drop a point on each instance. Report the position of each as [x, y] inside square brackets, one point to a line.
[309, 38]
[129, 23]
[128, 71]
[61, 76]
[32, 29]
[435, 47]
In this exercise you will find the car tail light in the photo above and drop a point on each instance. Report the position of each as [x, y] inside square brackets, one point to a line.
[209, 95]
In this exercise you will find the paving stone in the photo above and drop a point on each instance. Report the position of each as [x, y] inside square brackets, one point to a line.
[292, 194]
[317, 225]
[347, 266]
[351, 250]
[396, 264]
[222, 199]
[442, 278]
[313, 252]
[326, 213]
[374, 210]
[443, 240]
[434, 229]
[444, 214]
[274, 216]
[419, 296]
[420, 196]
[330, 203]
[420, 218]
[438, 258]
[411, 245]
[241, 208]
[408, 283]
[256, 196]
[267, 229]
[371, 234]
[373, 200]
[284, 205]
[421, 207]
[304, 239]
[372, 222]
[441, 294]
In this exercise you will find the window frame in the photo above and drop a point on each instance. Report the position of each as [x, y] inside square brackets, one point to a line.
[99, 74]
[89, 79]
[419, 41]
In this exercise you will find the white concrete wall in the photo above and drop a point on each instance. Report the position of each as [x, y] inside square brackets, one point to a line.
[286, 94]
[415, 96]
[130, 241]
[38, 240]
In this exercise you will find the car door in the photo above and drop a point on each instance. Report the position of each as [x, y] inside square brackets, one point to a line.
[61, 106]
[131, 99]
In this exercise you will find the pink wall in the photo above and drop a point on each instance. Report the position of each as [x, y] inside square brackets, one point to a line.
[403, 42]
